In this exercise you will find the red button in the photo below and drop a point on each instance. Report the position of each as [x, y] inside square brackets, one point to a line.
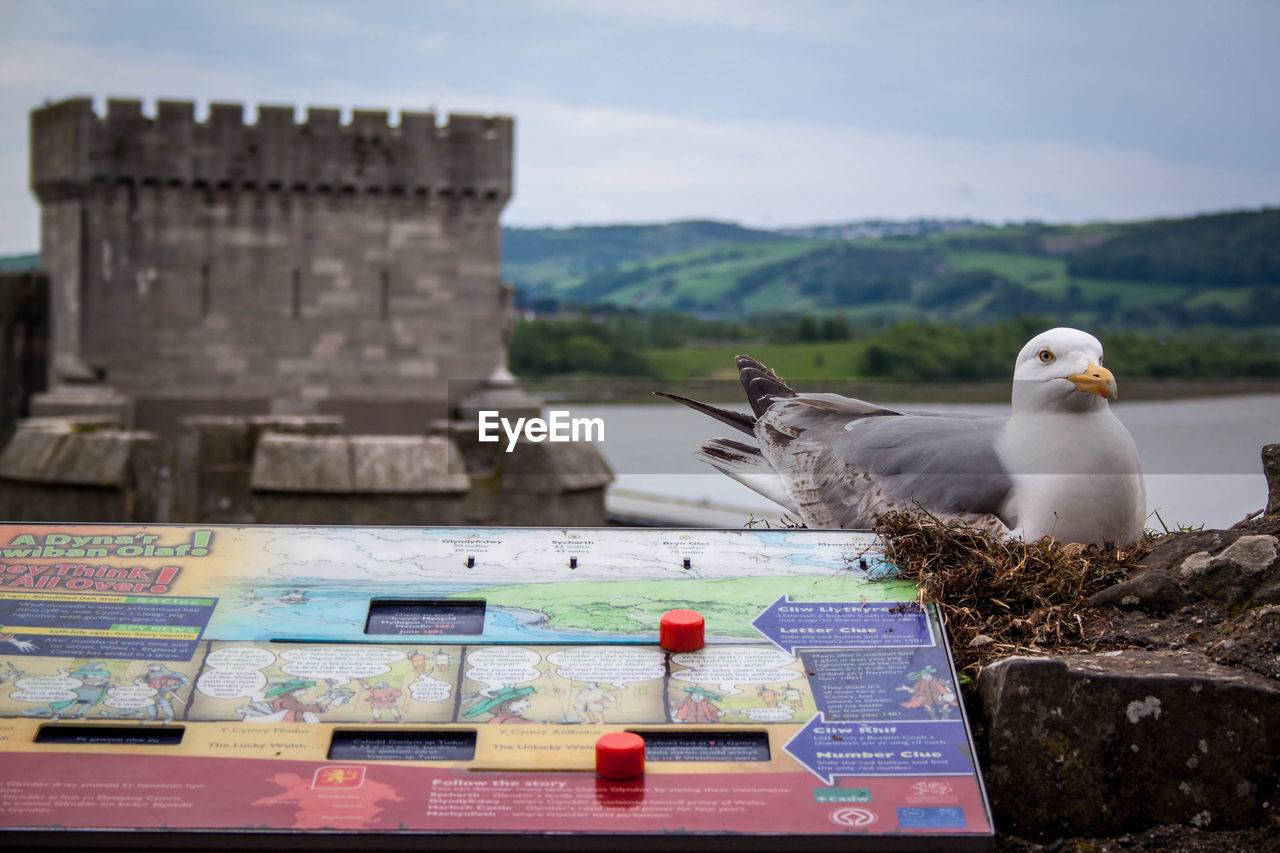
[681, 631]
[620, 756]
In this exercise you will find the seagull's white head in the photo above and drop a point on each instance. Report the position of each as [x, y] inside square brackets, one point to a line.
[1061, 370]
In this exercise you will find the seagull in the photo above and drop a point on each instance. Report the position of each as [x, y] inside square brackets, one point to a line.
[1061, 465]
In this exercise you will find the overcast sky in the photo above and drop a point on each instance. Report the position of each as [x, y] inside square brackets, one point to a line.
[764, 112]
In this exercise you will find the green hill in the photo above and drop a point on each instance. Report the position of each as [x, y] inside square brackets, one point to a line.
[19, 263]
[1224, 250]
[1219, 270]
[540, 260]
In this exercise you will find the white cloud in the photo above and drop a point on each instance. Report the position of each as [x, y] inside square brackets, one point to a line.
[600, 164]
[58, 69]
[604, 164]
[766, 16]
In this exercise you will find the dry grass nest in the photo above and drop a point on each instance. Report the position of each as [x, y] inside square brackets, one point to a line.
[1003, 597]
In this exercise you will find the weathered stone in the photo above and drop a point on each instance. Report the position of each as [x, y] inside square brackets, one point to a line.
[213, 460]
[1251, 640]
[1115, 742]
[54, 452]
[294, 425]
[367, 278]
[1271, 470]
[1237, 568]
[77, 401]
[542, 467]
[293, 470]
[58, 470]
[1236, 575]
[1153, 591]
[24, 332]
[28, 454]
[87, 422]
[393, 463]
[292, 463]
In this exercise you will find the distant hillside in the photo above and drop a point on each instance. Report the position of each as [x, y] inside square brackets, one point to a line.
[1209, 270]
[533, 257]
[885, 228]
[1224, 250]
[21, 263]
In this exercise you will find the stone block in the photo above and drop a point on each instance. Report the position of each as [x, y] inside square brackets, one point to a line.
[1114, 742]
[58, 453]
[555, 468]
[86, 400]
[295, 463]
[29, 453]
[53, 471]
[388, 464]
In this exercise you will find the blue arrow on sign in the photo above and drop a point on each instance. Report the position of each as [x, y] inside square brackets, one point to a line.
[790, 625]
[803, 747]
[894, 748]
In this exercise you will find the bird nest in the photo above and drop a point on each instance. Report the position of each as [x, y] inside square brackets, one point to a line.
[1003, 597]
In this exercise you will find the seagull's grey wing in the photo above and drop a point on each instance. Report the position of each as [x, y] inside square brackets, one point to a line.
[845, 464]
[947, 464]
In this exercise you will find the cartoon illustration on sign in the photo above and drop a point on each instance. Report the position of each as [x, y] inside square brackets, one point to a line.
[84, 688]
[507, 706]
[759, 684]
[590, 702]
[20, 645]
[382, 697]
[935, 695]
[699, 706]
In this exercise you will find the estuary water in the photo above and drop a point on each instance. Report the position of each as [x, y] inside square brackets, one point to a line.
[1201, 457]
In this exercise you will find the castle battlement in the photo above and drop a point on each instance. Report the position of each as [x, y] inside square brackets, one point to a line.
[73, 148]
[342, 267]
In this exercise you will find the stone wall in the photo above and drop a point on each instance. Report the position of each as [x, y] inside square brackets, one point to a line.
[276, 266]
[24, 329]
[79, 469]
[291, 470]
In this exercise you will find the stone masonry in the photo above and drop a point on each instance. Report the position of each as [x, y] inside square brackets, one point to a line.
[24, 331]
[292, 469]
[279, 266]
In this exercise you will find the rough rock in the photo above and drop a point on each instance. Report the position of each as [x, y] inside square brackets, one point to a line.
[1251, 640]
[1236, 569]
[1271, 470]
[1155, 591]
[1170, 729]
[1160, 839]
[1101, 744]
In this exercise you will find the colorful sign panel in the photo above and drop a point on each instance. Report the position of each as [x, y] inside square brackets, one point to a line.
[454, 681]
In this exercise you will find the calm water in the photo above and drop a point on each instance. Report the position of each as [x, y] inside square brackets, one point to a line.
[1201, 457]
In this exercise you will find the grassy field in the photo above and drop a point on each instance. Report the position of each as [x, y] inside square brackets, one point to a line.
[829, 361]
[702, 275]
[1045, 275]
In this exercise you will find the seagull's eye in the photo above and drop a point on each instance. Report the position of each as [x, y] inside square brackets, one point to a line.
[1045, 356]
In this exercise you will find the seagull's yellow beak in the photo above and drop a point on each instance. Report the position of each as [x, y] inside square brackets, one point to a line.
[1096, 379]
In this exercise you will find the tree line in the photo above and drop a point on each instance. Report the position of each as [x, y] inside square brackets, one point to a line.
[615, 344]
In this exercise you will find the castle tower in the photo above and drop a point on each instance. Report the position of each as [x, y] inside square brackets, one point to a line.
[218, 265]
